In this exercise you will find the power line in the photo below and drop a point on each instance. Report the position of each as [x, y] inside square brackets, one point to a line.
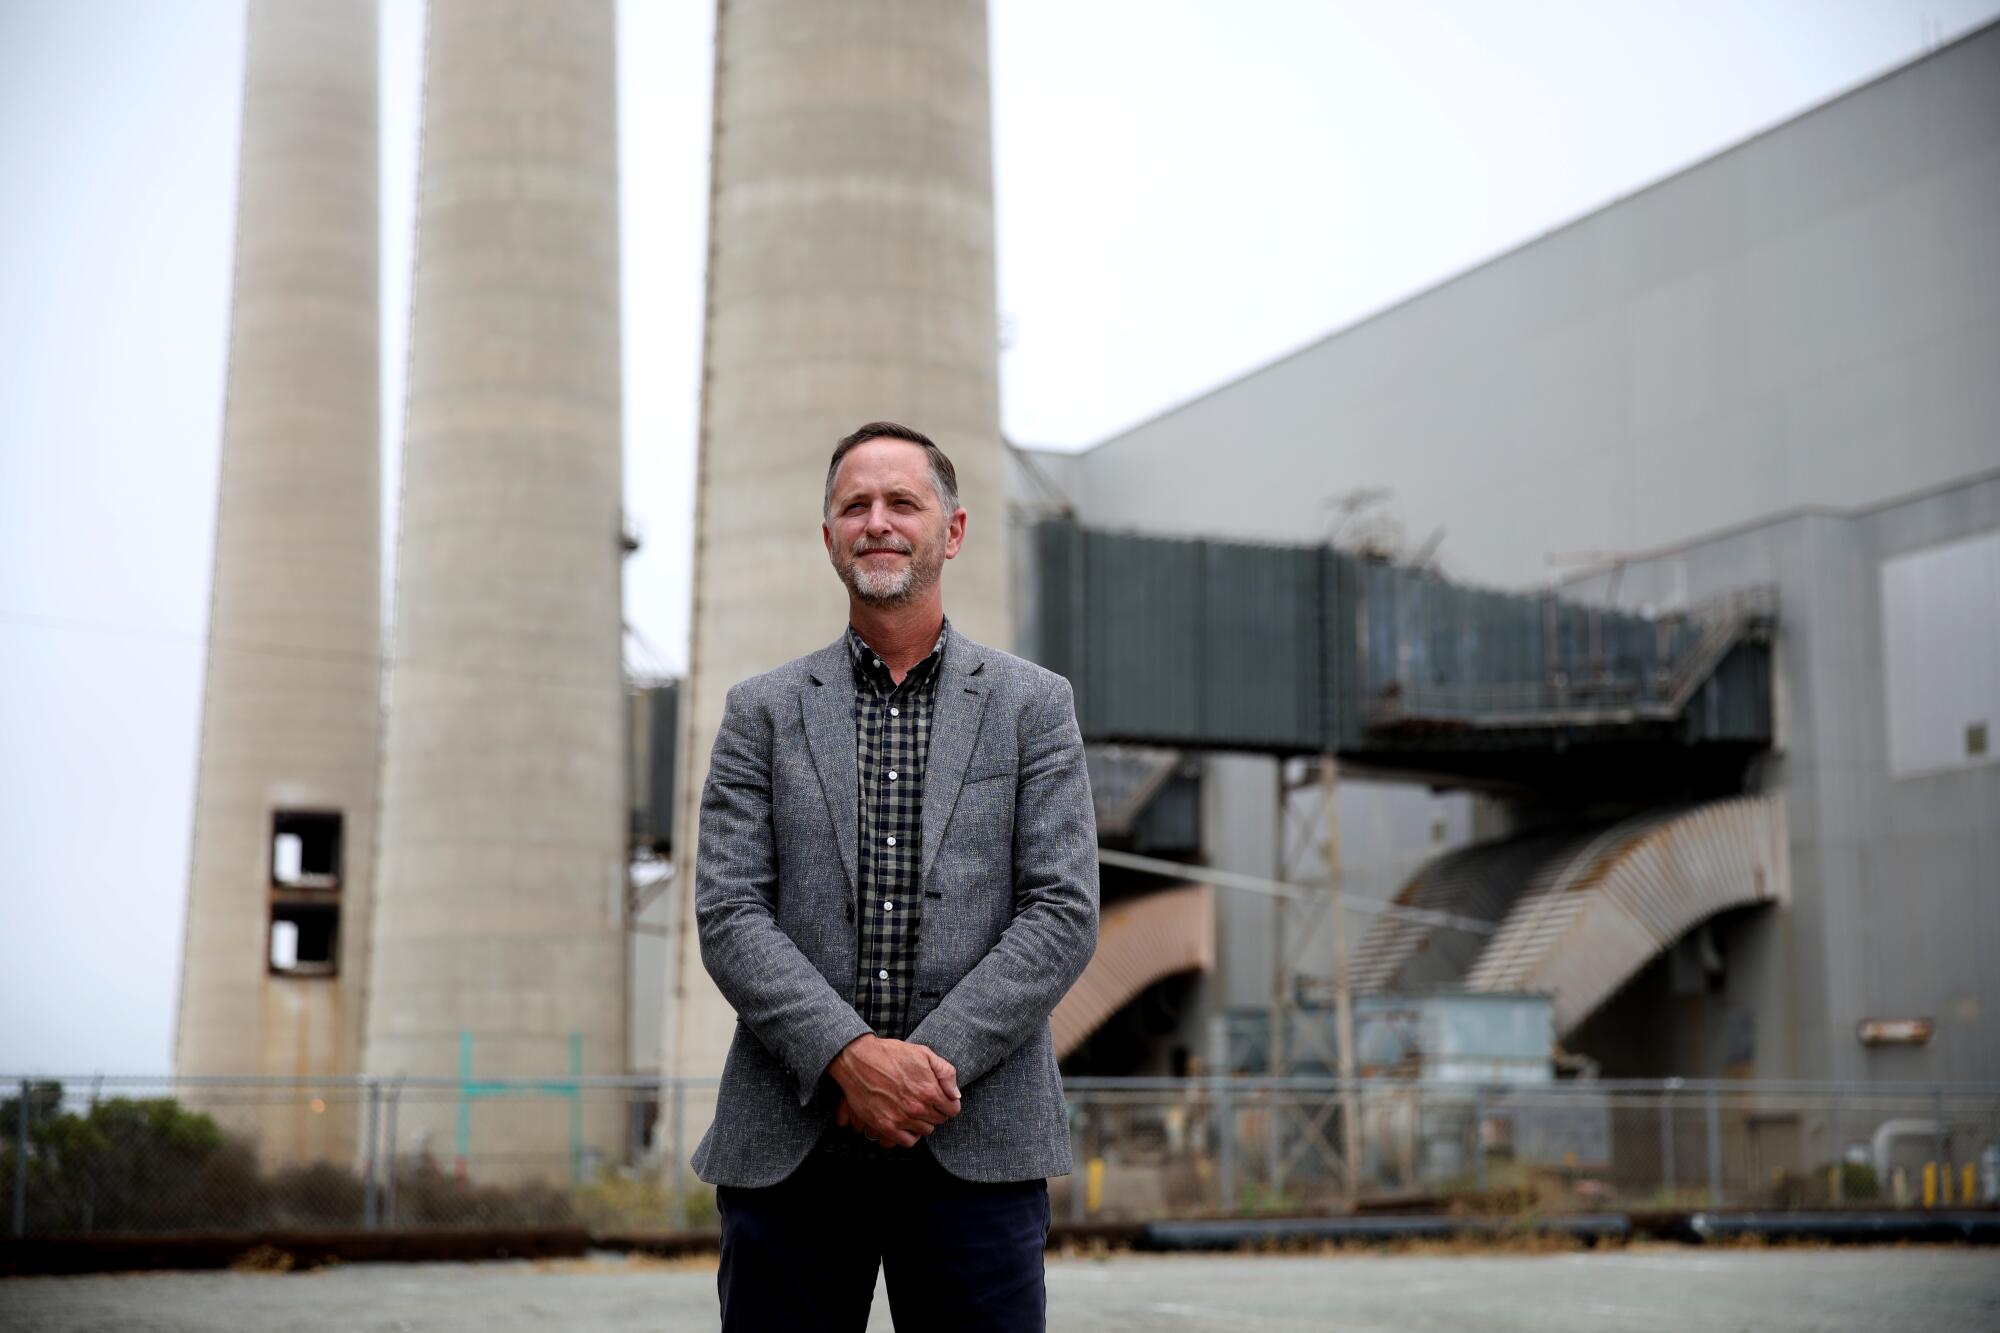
[1274, 888]
[99, 627]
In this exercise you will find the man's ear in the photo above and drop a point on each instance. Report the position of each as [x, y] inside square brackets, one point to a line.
[826, 535]
[954, 535]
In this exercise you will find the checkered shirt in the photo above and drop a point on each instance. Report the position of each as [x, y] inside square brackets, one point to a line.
[892, 734]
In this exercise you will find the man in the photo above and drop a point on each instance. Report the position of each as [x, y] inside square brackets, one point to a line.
[897, 882]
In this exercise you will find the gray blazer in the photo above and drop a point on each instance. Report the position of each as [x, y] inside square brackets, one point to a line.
[1009, 874]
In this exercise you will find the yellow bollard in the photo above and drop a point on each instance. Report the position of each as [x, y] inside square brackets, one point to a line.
[1930, 1184]
[1965, 1192]
[1093, 1190]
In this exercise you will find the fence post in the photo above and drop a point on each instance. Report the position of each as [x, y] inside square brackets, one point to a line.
[1479, 1138]
[373, 1132]
[576, 1107]
[676, 1183]
[389, 1175]
[1225, 1146]
[1667, 1141]
[1274, 1161]
[1714, 1149]
[1079, 1164]
[21, 1163]
[1940, 1142]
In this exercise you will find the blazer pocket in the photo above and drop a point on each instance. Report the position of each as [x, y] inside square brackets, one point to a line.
[972, 778]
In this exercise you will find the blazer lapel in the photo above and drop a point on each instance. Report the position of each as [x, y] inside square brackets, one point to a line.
[961, 702]
[827, 703]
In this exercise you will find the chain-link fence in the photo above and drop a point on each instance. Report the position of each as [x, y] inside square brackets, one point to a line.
[608, 1155]
[108, 1155]
[1150, 1148]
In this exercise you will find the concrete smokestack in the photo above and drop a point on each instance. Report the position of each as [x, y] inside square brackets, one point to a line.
[500, 945]
[277, 920]
[850, 278]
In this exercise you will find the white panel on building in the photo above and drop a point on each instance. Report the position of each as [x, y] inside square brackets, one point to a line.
[1941, 655]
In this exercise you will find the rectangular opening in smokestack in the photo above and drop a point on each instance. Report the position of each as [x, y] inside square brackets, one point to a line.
[305, 849]
[303, 939]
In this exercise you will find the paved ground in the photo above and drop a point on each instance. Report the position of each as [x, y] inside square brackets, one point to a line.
[1630, 1290]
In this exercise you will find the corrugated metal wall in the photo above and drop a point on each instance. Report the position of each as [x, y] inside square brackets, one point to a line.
[1735, 703]
[654, 713]
[1189, 643]
[1303, 649]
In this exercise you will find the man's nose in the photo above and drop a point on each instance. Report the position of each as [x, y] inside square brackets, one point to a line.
[878, 517]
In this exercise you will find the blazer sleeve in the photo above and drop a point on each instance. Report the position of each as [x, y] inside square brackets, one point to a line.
[777, 992]
[1010, 992]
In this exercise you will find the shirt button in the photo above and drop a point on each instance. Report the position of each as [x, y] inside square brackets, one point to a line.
[889, 907]
[878, 661]
[883, 974]
[892, 841]
[892, 775]
[895, 712]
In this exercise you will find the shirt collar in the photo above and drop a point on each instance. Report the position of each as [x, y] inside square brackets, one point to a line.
[868, 668]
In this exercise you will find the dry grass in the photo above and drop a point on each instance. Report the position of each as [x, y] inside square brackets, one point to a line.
[265, 1259]
[613, 1264]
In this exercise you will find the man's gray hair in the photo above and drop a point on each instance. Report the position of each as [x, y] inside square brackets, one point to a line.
[944, 477]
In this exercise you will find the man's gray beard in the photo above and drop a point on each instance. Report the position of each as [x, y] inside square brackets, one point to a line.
[885, 588]
[891, 590]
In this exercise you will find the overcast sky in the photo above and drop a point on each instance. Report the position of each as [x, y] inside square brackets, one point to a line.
[1186, 189]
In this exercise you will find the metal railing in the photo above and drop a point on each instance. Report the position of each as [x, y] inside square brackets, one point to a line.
[99, 1155]
[1598, 687]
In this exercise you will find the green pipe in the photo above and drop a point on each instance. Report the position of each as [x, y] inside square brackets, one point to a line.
[469, 1089]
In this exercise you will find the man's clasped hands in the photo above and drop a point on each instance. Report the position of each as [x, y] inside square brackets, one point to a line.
[893, 1092]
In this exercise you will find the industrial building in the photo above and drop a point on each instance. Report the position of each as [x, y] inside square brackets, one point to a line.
[1764, 381]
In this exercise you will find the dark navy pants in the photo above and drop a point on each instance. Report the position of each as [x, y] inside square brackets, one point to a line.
[803, 1254]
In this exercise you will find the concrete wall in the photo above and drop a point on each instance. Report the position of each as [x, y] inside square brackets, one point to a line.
[1896, 878]
[850, 279]
[503, 828]
[1811, 317]
[291, 699]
